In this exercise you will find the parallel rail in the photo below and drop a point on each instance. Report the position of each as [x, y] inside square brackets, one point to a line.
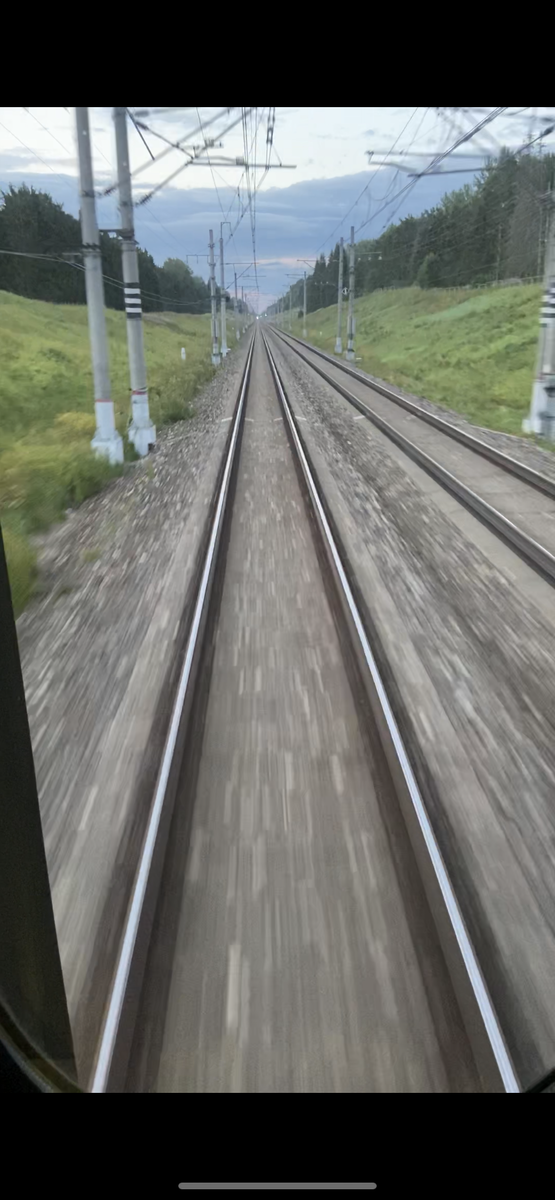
[482, 1025]
[117, 1034]
[485, 1035]
[507, 463]
[536, 555]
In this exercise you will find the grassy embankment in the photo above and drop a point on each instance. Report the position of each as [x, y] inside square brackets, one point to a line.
[47, 411]
[472, 351]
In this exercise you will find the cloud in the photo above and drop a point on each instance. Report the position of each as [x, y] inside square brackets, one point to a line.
[292, 223]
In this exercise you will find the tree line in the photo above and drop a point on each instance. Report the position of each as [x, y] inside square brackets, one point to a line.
[32, 225]
[491, 230]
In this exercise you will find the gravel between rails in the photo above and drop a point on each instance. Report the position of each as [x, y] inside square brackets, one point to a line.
[292, 951]
[471, 673]
[99, 652]
[521, 448]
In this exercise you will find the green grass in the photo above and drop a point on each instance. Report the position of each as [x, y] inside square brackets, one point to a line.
[21, 560]
[473, 352]
[47, 410]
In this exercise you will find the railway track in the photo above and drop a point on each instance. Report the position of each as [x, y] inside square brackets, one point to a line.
[292, 925]
[514, 501]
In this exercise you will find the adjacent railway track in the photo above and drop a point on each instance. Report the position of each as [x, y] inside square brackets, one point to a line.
[292, 926]
[523, 513]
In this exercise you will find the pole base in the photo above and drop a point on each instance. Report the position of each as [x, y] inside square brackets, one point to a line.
[142, 437]
[541, 403]
[216, 360]
[108, 447]
[141, 433]
[350, 355]
[338, 346]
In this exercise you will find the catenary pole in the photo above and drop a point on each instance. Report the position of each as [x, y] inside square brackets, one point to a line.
[541, 418]
[351, 318]
[338, 340]
[236, 311]
[142, 433]
[107, 440]
[214, 319]
[223, 314]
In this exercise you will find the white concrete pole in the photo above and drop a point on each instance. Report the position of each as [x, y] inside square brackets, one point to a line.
[223, 313]
[107, 440]
[338, 340]
[351, 318]
[214, 319]
[142, 433]
[236, 311]
[541, 418]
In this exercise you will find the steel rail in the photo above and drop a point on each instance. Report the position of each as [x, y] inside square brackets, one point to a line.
[481, 1021]
[507, 463]
[117, 1032]
[536, 555]
[486, 1037]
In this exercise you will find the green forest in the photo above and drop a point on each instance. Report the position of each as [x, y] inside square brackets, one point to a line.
[40, 258]
[492, 230]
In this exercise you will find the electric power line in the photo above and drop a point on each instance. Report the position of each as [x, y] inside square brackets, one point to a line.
[365, 188]
[49, 131]
[464, 137]
[42, 160]
[109, 279]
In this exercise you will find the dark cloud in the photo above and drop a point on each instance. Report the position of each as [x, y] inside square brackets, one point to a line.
[291, 223]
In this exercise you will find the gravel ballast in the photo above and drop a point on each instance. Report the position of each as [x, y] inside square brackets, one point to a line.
[100, 651]
[524, 449]
[470, 668]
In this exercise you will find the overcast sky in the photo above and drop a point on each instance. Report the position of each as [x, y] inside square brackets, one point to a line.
[299, 213]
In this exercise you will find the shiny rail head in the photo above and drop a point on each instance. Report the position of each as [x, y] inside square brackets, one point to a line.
[507, 463]
[483, 1024]
[132, 929]
[536, 555]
